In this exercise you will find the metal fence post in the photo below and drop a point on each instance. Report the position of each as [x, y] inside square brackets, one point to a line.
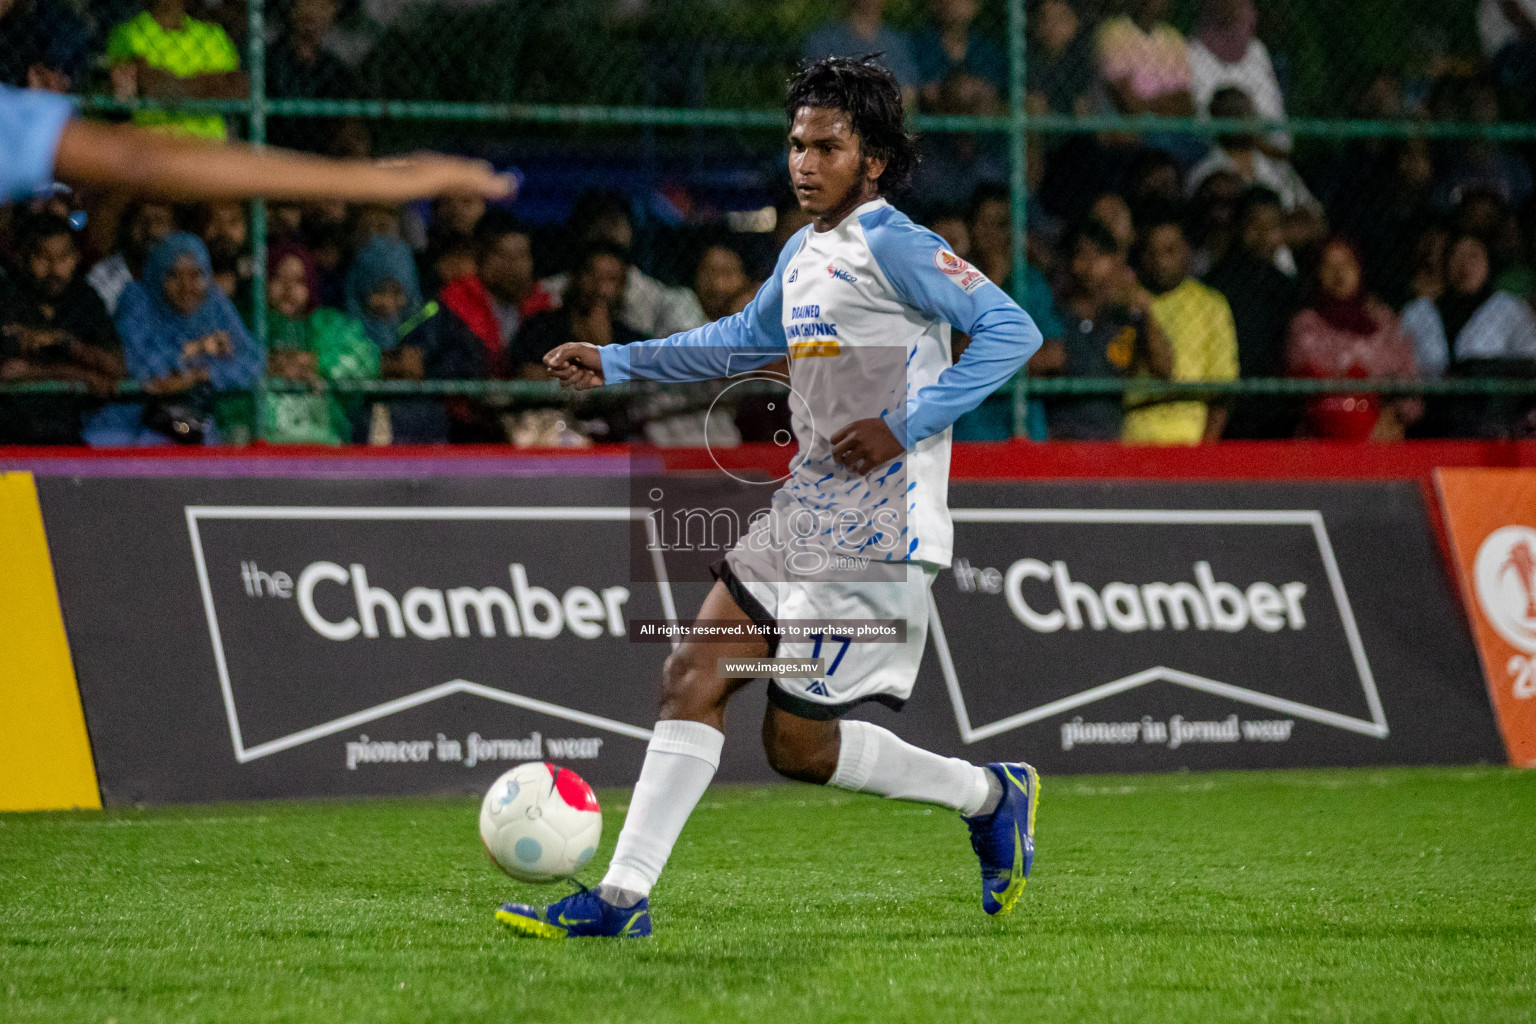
[256, 32]
[1018, 146]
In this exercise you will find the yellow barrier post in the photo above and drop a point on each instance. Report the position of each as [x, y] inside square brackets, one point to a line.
[45, 754]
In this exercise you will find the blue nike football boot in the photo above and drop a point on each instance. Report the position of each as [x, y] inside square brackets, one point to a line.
[1004, 840]
[580, 915]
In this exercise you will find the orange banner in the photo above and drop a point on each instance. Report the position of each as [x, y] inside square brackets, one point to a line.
[1491, 517]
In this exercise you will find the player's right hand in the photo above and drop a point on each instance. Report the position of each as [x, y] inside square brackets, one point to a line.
[576, 365]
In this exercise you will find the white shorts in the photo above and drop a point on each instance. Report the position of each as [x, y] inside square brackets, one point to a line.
[855, 671]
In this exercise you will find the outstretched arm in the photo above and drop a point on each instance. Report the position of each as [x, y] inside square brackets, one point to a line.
[187, 169]
[744, 341]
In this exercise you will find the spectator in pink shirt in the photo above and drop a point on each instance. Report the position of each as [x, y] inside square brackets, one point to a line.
[1144, 62]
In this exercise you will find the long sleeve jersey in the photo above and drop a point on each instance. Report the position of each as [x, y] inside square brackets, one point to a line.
[864, 313]
[31, 123]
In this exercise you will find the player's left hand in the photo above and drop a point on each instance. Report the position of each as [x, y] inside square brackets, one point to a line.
[864, 445]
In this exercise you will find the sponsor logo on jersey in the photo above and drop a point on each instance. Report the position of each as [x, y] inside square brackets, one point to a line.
[807, 349]
[966, 277]
[950, 263]
[794, 275]
[813, 329]
[839, 274]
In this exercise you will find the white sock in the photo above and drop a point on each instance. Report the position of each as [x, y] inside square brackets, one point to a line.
[876, 760]
[679, 764]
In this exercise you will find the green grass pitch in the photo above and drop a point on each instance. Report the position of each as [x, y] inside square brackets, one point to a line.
[1375, 895]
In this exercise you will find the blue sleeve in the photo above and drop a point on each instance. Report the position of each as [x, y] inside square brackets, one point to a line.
[31, 123]
[735, 344]
[930, 278]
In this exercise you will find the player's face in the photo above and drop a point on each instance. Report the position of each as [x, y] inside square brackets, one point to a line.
[52, 264]
[826, 165]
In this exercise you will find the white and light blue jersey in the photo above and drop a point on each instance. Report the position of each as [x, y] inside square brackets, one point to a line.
[864, 314]
[31, 124]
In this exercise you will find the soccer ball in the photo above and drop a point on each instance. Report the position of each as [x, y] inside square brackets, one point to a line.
[540, 822]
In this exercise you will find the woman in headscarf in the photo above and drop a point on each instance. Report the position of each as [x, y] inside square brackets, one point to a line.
[310, 346]
[1346, 333]
[1474, 330]
[384, 293]
[383, 290]
[183, 340]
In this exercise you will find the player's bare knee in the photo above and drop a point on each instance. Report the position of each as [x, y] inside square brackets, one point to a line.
[689, 686]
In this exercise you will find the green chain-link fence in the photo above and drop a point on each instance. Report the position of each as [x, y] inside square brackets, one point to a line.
[1067, 143]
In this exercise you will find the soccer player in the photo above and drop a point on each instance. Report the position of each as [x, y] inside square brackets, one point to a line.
[41, 138]
[862, 302]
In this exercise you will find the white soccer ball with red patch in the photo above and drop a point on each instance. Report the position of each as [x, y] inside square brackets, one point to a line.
[540, 822]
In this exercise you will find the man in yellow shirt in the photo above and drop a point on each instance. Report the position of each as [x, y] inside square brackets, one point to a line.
[1198, 323]
[165, 54]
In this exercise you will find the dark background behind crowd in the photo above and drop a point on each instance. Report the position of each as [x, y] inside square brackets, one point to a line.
[1167, 255]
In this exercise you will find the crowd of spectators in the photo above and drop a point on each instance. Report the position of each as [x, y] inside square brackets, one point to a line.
[170, 307]
[1168, 255]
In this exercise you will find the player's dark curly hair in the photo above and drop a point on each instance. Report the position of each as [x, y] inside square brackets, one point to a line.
[864, 89]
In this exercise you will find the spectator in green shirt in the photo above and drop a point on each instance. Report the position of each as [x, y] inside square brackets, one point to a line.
[165, 54]
[309, 346]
